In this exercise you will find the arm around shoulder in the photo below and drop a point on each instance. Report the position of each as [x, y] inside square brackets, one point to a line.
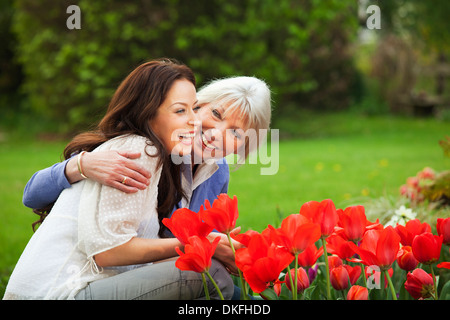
[45, 186]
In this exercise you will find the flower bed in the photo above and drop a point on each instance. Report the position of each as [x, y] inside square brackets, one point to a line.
[321, 253]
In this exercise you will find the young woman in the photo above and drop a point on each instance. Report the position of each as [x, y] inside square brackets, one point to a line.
[97, 241]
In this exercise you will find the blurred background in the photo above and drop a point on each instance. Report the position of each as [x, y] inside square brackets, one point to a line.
[316, 55]
[359, 109]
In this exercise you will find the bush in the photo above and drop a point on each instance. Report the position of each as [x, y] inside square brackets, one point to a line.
[299, 47]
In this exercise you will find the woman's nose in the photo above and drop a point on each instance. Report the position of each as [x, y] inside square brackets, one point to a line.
[194, 120]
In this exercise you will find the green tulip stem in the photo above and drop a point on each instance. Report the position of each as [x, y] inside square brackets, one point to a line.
[296, 276]
[434, 283]
[241, 277]
[391, 286]
[291, 281]
[327, 268]
[215, 285]
[205, 287]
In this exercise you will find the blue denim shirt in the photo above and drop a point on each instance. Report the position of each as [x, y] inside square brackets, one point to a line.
[45, 186]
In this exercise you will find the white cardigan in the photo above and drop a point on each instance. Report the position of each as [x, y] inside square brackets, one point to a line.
[87, 219]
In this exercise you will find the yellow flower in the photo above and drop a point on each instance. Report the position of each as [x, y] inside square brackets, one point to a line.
[383, 163]
[319, 166]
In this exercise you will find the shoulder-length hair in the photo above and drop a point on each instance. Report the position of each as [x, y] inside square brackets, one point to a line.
[249, 96]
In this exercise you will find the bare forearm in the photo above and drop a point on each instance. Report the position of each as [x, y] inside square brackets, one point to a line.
[72, 173]
[111, 168]
[137, 251]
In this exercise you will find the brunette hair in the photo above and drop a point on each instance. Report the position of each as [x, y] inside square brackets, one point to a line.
[132, 106]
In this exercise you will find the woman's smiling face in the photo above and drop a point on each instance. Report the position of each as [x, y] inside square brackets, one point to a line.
[221, 132]
[175, 121]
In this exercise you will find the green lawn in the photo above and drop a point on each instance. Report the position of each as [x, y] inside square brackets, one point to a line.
[348, 158]
[19, 159]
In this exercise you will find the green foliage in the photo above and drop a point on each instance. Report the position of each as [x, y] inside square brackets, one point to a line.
[10, 70]
[445, 144]
[438, 188]
[426, 21]
[445, 293]
[299, 47]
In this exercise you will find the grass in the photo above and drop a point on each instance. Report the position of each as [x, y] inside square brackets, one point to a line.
[350, 160]
[345, 157]
[18, 161]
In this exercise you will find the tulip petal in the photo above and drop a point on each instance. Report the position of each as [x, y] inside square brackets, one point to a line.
[387, 247]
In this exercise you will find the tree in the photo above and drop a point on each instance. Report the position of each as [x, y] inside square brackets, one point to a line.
[300, 47]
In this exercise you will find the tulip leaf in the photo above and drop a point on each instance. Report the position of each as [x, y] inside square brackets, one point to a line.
[445, 293]
[285, 294]
[311, 293]
[269, 294]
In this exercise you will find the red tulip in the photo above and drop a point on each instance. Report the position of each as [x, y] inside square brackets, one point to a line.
[309, 256]
[334, 261]
[198, 254]
[223, 213]
[302, 279]
[245, 237]
[443, 228]
[276, 288]
[427, 247]
[339, 278]
[185, 223]
[353, 273]
[262, 262]
[407, 261]
[295, 234]
[353, 222]
[337, 245]
[373, 275]
[257, 248]
[358, 293]
[410, 230]
[344, 274]
[419, 284]
[445, 265]
[379, 247]
[323, 213]
[261, 275]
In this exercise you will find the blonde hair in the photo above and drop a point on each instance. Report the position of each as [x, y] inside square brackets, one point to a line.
[249, 96]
